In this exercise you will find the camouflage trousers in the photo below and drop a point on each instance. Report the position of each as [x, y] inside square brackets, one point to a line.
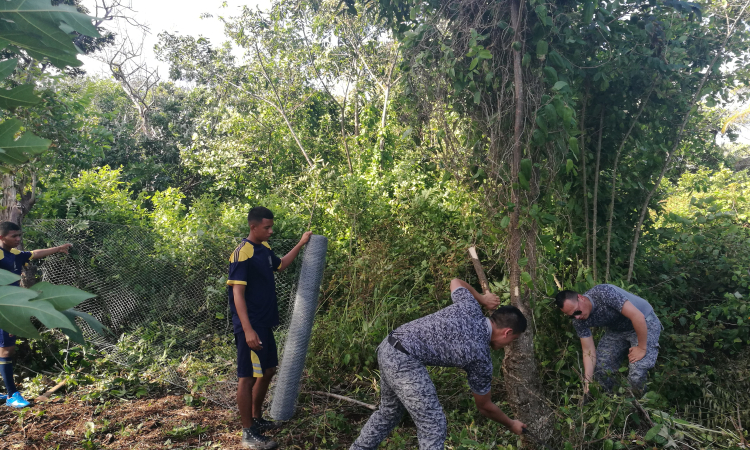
[613, 348]
[405, 385]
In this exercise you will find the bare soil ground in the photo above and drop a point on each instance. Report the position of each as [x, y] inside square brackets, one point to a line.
[165, 421]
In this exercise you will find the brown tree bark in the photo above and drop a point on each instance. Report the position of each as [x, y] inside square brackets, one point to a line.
[522, 383]
[582, 151]
[596, 194]
[13, 208]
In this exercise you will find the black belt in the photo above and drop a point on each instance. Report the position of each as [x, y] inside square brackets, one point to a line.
[395, 343]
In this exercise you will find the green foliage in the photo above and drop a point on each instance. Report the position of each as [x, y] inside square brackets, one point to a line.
[47, 302]
[44, 32]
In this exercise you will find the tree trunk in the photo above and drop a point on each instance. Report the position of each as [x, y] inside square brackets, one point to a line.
[343, 130]
[596, 195]
[522, 384]
[384, 117]
[14, 208]
[614, 176]
[582, 151]
[11, 211]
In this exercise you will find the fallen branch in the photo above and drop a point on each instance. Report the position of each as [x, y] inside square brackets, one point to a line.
[45, 396]
[346, 399]
[640, 408]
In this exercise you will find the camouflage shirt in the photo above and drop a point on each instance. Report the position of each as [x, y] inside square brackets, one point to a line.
[455, 336]
[607, 301]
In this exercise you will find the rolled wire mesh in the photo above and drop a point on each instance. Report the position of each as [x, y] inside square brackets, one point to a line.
[166, 306]
[300, 329]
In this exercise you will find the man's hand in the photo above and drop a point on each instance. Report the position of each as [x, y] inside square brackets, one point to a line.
[64, 248]
[517, 427]
[253, 341]
[489, 300]
[305, 237]
[636, 354]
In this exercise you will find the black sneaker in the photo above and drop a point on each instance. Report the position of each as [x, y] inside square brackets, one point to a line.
[262, 424]
[253, 439]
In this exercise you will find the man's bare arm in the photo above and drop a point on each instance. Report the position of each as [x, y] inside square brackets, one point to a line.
[488, 300]
[251, 337]
[490, 410]
[289, 257]
[41, 253]
[641, 330]
[589, 360]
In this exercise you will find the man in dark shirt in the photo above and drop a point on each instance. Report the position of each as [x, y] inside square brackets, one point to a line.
[456, 336]
[632, 329]
[14, 260]
[251, 289]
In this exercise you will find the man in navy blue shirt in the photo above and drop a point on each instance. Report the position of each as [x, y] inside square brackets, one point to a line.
[251, 289]
[14, 260]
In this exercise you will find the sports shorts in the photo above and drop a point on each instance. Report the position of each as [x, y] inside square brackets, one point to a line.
[252, 363]
[6, 340]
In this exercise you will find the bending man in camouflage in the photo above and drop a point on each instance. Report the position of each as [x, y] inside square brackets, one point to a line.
[632, 329]
[456, 336]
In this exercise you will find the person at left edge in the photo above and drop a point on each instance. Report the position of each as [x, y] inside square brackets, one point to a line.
[14, 260]
[251, 278]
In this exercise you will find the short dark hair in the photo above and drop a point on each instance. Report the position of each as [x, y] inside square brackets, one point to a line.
[562, 296]
[259, 213]
[509, 317]
[7, 227]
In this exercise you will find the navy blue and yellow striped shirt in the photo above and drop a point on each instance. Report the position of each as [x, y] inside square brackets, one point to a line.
[253, 265]
[14, 260]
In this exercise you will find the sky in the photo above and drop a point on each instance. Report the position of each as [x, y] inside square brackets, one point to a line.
[181, 17]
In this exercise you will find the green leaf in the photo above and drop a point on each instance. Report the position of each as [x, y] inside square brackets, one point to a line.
[608, 444]
[8, 277]
[17, 308]
[569, 166]
[505, 222]
[44, 30]
[525, 278]
[523, 181]
[573, 144]
[652, 433]
[60, 58]
[18, 151]
[89, 319]
[526, 60]
[550, 74]
[588, 11]
[556, 59]
[485, 54]
[541, 49]
[61, 297]
[559, 85]
[19, 96]
[474, 63]
[7, 67]
[526, 167]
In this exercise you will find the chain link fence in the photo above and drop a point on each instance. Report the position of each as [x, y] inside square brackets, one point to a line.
[164, 301]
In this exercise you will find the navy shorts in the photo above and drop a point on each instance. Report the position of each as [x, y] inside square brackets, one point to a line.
[6, 340]
[251, 363]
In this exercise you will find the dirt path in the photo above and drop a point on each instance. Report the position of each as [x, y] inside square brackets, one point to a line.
[163, 422]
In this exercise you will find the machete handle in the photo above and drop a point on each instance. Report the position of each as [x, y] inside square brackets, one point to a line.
[479, 270]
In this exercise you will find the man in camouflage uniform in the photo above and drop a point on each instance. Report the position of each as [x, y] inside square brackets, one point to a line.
[632, 329]
[456, 336]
